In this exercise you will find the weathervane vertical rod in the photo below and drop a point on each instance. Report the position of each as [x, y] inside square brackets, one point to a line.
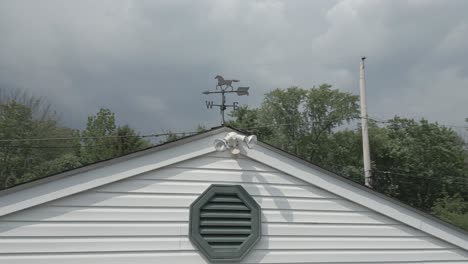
[223, 106]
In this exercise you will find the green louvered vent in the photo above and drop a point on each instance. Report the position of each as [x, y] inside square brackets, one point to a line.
[225, 221]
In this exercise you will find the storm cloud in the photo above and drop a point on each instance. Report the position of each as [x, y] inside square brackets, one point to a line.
[149, 61]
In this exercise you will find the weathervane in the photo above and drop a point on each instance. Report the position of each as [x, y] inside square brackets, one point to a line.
[223, 85]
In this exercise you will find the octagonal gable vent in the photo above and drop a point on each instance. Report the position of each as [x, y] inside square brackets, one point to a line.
[225, 223]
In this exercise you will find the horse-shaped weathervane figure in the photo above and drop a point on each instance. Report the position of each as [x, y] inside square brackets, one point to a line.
[227, 83]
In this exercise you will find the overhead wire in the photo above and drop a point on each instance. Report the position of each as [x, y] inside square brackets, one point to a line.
[162, 134]
[322, 121]
[95, 137]
[291, 124]
[22, 140]
[458, 178]
[192, 132]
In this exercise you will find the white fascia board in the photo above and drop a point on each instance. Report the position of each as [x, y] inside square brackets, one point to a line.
[355, 192]
[92, 176]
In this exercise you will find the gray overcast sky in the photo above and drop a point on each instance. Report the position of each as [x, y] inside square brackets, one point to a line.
[149, 61]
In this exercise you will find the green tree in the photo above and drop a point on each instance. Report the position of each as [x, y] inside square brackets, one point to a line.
[128, 141]
[171, 136]
[466, 152]
[15, 122]
[412, 160]
[67, 161]
[40, 109]
[20, 160]
[326, 110]
[420, 159]
[300, 121]
[453, 209]
[343, 154]
[103, 139]
[283, 109]
[248, 120]
[97, 143]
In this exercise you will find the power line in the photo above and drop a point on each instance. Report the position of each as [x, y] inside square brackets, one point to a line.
[292, 124]
[301, 123]
[192, 132]
[323, 121]
[79, 145]
[95, 137]
[389, 122]
[422, 177]
[163, 134]
[54, 147]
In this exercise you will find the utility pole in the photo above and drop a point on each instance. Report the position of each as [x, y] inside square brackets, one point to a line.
[365, 127]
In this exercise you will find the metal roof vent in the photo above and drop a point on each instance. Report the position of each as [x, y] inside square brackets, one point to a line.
[225, 223]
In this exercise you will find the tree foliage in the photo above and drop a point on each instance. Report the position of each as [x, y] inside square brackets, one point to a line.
[305, 122]
[21, 161]
[413, 161]
[103, 139]
[453, 209]
[422, 159]
[40, 109]
[171, 136]
[298, 120]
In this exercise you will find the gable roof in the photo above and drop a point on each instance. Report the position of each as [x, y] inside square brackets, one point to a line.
[78, 180]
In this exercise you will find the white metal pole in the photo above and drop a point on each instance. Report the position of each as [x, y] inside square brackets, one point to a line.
[364, 126]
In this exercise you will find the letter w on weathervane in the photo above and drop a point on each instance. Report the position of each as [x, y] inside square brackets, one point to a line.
[209, 104]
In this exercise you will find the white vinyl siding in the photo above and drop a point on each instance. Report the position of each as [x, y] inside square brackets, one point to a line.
[144, 219]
